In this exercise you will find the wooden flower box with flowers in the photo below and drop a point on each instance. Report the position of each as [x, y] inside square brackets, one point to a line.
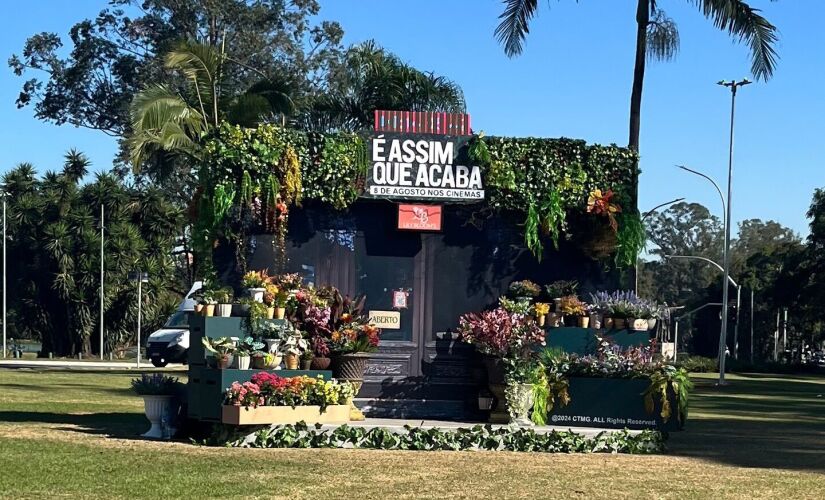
[271, 399]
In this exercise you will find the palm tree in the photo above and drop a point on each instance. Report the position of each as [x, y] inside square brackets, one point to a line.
[657, 38]
[172, 121]
[372, 78]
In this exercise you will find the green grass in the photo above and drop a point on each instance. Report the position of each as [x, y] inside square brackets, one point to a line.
[72, 434]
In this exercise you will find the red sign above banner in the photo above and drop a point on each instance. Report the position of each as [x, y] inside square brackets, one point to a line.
[419, 217]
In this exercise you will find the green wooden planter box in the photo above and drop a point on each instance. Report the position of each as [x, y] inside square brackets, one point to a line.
[583, 340]
[611, 403]
[206, 387]
[213, 327]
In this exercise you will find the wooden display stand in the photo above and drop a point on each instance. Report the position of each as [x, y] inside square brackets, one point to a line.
[265, 415]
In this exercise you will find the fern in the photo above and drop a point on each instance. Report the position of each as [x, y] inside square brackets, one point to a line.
[531, 232]
[631, 239]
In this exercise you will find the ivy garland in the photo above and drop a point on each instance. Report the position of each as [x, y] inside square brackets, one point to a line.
[478, 437]
[260, 173]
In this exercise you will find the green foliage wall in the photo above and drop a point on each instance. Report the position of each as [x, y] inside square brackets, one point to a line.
[546, 180]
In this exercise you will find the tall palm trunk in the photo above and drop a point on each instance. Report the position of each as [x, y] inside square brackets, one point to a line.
[642, 21]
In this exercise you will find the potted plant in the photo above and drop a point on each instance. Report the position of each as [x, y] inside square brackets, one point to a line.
[306, 359]
[620, 311]
[500, 336]
[209, 303]
[222, 350]
[223, 297]
[158, 393]
[244, 351]
[255, 283]
[521, 374]
[600, 310]
[293, 345]
[320, 354]
[541, 309]
[280, 300]
[269, 300]
[523, 291]
[558, 289]
[574, 311]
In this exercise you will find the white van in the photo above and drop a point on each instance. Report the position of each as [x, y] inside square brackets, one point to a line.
[170, 344]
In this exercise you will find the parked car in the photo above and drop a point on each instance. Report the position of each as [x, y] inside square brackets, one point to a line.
[170, 344]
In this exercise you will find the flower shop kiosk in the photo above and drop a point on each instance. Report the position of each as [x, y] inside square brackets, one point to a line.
[427, 221]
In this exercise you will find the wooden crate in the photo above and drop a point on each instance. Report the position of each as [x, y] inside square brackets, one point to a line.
[236, 415]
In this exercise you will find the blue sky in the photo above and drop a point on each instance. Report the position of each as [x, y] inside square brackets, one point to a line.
[573, 80]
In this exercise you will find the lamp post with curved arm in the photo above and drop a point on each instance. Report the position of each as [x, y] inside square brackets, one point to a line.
[645, 216]
[723, 345]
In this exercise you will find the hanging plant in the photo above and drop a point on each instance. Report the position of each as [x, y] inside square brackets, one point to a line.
[291, 169]
[631, 239]
[246, 188]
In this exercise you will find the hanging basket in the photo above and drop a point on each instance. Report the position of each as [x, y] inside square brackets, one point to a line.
[596, 238]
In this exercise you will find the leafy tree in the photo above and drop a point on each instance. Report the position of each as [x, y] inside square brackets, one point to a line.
[682, 229]
[657, 38]
[122, 51]
[54, 224]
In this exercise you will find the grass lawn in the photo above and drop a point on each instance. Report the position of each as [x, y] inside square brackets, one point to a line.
[71, 434]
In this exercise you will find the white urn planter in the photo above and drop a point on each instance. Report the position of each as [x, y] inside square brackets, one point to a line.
[156, 407]
[519, 403]
[257, 294]
[224, 310]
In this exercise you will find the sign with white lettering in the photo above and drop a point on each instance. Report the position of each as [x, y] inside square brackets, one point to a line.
[386, 320]
[422, 167]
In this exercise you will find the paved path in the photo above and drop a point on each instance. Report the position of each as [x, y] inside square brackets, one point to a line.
[85, 365]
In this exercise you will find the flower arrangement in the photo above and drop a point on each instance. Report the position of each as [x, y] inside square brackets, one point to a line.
[267, 389]
[156, 384]
[500, 333]
[255, 279]
[514, 306]
[523, 288]
[289, 282]
[571, 306]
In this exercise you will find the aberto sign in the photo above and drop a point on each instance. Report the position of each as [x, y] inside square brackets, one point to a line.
[422, 167]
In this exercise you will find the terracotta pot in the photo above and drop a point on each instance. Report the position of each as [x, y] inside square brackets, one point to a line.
[291, 361]
[209, 310]
[583, 321]
[280, 312]
[350, 366]
[270, 312]
[306, 364]
[320, 363]
[607, 323]
[619, 323]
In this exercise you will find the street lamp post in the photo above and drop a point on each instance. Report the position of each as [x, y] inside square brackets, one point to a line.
[101, 282]
[733, 86]
[3, 194]
[140, 277]
[728, 279]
